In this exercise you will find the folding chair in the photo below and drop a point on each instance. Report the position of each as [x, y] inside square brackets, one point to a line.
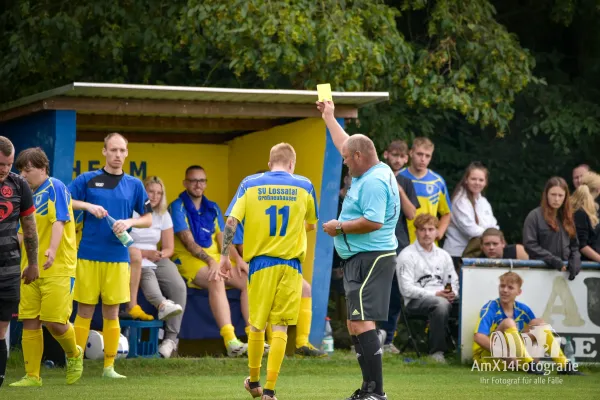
[412, 338]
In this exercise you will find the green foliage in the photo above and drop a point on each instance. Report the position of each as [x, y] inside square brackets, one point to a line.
[470, 64]
[354, 45]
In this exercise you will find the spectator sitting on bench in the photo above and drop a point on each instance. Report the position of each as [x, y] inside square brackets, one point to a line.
[512, 318]
[424, 270]
[549, 231]
[197, 223]
[161, 283]
[493, 245]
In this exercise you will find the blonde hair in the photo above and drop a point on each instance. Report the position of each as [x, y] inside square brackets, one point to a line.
[162, 206]
[511, 277]
[582, 197]
[282, 153]
[423, 142]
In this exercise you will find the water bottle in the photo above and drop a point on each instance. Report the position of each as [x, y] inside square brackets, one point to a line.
[124, 237]
[570, 351]
[328, 339]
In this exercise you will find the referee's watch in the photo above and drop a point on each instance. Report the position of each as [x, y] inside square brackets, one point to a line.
[338, 229]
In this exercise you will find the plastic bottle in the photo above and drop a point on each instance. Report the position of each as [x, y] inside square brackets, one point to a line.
[570, 351]
[328, 339]
[124, 237]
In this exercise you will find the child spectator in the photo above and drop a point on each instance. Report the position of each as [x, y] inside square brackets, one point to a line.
[584, 204]
[161, 283]
[512, 318]
[472, 213]
[549, 231]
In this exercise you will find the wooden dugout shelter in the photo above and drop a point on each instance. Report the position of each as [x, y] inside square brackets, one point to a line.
[227, 131]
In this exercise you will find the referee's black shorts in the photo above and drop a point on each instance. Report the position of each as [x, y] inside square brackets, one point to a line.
[368, 284]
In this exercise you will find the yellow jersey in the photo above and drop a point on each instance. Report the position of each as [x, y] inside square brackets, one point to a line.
[53, 203]
[274, 207]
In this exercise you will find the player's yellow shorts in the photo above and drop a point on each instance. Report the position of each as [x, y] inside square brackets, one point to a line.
[274, 294]
[50, 298]
[188, 266]
[110, 280]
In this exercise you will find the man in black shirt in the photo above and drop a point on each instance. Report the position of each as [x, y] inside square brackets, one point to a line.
[16, 205]
[396, 156]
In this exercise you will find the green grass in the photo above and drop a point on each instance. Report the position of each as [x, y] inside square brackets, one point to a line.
[301, 379]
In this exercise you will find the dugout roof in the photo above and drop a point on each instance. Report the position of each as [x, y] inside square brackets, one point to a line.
[181, 114]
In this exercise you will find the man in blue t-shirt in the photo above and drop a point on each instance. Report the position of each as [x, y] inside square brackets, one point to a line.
[364, 237]
[102, 260]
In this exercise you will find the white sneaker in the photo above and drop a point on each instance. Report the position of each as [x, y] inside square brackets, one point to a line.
[166, 348]
[438, 357]
[267, 349]
[390, 348]
[168, 309]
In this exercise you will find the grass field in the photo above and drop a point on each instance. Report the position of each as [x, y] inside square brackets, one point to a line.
[301, 379]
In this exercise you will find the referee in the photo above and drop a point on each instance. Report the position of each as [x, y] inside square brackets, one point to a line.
[364, 237]
[16, 206]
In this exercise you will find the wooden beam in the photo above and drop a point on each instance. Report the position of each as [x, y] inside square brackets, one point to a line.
[22, 111]
[162, 137]
[192, 108]
[87, 122]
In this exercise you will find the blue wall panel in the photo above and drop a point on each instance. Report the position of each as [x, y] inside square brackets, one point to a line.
[328, 210]
[53, 131]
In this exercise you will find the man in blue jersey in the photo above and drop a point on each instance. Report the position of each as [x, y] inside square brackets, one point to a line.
[431, 188]
[102, 260]
[364, 238]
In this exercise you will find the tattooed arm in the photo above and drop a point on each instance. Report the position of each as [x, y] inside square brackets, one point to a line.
[30, 242]
[190, 245]
[228, 234]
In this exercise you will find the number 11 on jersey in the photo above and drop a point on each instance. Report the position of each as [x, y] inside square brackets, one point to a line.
[285, 216]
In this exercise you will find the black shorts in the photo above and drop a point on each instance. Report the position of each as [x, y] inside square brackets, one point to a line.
[9, 296]
[368, 284]
[8, 308]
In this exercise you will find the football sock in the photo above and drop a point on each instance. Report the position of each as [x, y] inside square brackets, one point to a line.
[3, 357]
[276, 354]
[247, 329]
[33, 348]
[67, 341]
[111, 334]
[560, 359]
[304, 320]
[372, 352]
[228, 333]
[521, 352]
[256, 348]
[82, 330]
[361, 359]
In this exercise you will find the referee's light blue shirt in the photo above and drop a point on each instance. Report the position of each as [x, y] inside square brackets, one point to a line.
[374, 196]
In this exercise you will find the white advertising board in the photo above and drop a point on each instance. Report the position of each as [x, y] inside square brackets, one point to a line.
[572, 308]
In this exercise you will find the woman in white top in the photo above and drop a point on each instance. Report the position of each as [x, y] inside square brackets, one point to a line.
[471, 212]
[161, 282]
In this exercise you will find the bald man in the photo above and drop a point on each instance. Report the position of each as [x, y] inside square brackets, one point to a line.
[578, 173]
[364, 237]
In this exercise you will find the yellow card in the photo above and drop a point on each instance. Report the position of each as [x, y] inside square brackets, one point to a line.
[324, 92]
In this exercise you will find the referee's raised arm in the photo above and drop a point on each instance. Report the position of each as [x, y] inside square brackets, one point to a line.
[338, 134]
